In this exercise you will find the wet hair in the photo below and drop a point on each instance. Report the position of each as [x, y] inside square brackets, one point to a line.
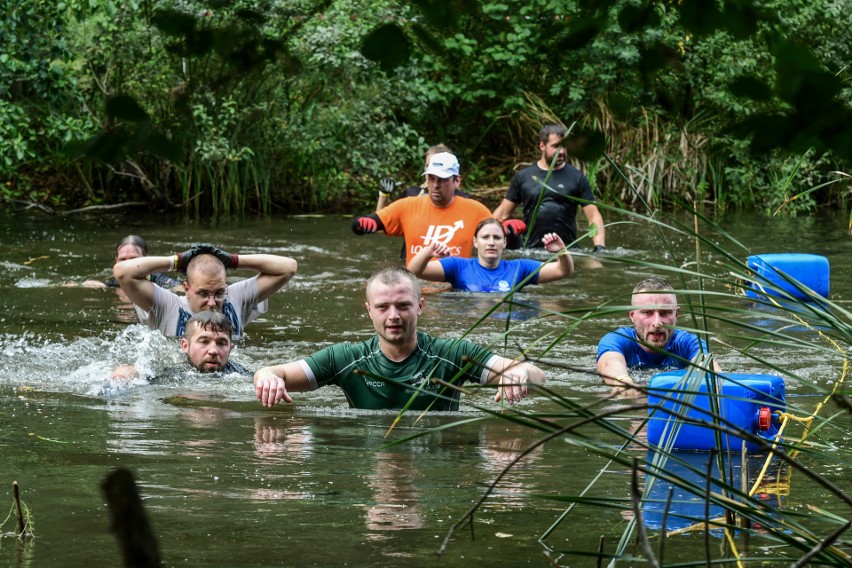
[394, 275]
[206, 263]
[134, 240]
[652, 285]
[489, 221]
[548, 129]
[209, 320]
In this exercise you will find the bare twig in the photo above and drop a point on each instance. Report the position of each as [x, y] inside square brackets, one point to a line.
[105, 207]
[22, 527]
[33, 205]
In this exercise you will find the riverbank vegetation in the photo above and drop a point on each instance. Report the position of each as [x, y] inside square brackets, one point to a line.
[234, 107]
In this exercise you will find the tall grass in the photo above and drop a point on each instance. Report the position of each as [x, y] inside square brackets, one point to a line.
[736, 526]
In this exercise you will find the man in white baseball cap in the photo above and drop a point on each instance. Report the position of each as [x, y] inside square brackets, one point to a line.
[441, 216]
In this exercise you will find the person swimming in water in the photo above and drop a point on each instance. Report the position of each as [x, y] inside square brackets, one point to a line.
[132, 246]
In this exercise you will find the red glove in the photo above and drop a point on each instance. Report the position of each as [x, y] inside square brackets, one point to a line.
[514, 226]
[364, 225]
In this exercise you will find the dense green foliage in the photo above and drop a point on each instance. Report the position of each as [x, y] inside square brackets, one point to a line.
[294, 105]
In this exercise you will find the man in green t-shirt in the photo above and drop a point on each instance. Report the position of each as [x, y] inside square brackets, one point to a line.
[399, 363]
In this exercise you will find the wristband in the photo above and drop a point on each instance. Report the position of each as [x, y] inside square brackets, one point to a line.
[383, 194]
[235, 260]
[173, 260]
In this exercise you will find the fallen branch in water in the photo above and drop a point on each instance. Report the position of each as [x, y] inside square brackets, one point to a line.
[105, 207]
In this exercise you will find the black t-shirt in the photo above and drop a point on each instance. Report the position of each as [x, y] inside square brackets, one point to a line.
[557, 211]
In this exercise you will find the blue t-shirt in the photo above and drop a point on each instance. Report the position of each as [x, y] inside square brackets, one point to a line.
[468, 274]
[682, 343]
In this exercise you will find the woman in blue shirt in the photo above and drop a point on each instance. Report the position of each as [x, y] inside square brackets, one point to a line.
[488, 272]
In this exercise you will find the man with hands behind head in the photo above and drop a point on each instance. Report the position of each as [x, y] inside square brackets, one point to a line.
[205, 285]
[399, 362]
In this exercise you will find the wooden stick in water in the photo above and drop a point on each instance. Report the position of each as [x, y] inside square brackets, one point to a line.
[22, 527]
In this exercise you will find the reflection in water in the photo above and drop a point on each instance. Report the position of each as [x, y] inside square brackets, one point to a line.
[688, 505]
[499, 447]
[282, 442]
[395, 494]
[303, 473]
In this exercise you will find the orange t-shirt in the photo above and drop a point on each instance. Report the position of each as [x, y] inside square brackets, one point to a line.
[420, 222]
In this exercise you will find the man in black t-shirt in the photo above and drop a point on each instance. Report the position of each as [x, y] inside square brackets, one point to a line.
[557, 210]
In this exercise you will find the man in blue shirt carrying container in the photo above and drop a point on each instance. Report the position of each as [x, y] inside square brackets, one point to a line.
[653, 341]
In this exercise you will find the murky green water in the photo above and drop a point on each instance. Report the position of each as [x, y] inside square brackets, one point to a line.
[228, 483]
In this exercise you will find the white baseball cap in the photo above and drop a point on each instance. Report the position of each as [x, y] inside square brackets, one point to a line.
[443, 164]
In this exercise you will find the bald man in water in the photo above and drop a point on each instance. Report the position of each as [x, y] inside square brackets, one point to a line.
[205, 285]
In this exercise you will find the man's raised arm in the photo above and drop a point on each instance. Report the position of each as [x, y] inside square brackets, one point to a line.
[274, 271]
[132, 276]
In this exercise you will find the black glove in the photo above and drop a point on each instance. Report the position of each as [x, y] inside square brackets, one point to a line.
[386, 187]
[599, 249]
[228, 259]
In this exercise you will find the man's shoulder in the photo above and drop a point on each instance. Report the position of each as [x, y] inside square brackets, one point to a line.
[528, 171]
[405, 206]
[681, 337]
[165, 296]
[240, 288]
[451, 348]
[350, 349]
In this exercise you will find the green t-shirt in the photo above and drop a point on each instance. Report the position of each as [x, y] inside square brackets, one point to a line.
[371, 380]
